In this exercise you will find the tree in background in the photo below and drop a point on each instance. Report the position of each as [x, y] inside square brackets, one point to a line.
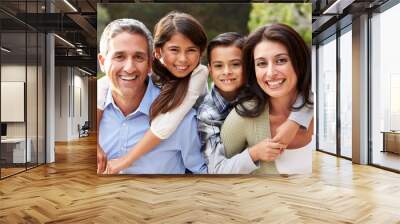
[102, 19]
[216, 18]
[296, 15]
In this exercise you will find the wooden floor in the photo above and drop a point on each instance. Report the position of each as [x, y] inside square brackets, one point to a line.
[69, 191]
[5, 172]
[10, 171]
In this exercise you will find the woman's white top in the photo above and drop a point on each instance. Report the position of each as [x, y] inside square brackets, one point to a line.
[296, 161]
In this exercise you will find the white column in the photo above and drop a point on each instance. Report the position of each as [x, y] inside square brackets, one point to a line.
[360, 90]
[50, 93]
[50, 100]
[313, 83]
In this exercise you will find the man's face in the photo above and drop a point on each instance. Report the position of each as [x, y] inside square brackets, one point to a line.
[127, 64]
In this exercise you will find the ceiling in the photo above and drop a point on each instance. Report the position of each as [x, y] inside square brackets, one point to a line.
[74, 22]
[328, 15]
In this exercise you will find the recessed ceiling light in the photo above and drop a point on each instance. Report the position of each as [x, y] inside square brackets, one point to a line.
[337, 7]
[5, 49]
[84, 71]
[64, 40]
[70, 5]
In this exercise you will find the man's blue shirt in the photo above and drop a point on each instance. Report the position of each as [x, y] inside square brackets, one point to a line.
[118, 134]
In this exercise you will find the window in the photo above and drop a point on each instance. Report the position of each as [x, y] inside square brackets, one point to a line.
[385, 89]
[346, 92]
[22, 66]
[326, 94]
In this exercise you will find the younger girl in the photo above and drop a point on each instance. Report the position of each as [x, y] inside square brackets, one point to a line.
[179, 41]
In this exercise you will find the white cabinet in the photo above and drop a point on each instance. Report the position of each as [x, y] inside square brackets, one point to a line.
[17, 147]
[12, 101]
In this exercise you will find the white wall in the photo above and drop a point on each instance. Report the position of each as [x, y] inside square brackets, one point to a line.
[61, 103]
[71, 94]
[80, 112]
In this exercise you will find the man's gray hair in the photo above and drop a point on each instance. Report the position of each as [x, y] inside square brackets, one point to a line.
[124, 25]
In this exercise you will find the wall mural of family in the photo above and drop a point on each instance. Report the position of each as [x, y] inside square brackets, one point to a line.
[157, 114]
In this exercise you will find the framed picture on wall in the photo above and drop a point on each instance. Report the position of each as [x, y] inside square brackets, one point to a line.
[157, 60]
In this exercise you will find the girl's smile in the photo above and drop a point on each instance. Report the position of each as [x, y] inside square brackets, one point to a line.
[179, 55]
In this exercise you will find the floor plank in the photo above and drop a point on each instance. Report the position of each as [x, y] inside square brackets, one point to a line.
[69, 191]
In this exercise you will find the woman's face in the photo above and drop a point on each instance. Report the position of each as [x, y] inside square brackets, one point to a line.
[179, 55]
[274, 70]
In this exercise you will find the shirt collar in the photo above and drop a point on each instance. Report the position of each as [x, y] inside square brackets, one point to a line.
[148, 97]
[220, 102]
[145, 103]
[109, 99]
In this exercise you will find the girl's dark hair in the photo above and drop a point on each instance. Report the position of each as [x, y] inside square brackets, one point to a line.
[300, 57]
[173, 89]
[225, 40]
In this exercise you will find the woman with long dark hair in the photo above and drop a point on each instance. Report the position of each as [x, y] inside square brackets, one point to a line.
[278, 66]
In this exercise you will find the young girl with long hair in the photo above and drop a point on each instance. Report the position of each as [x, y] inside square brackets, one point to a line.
[179, 41]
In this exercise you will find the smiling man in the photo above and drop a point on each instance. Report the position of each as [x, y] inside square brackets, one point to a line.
[125, 57]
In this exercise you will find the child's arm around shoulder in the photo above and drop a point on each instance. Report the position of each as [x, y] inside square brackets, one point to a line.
[302, 118]
[103, 85]
[165, 124]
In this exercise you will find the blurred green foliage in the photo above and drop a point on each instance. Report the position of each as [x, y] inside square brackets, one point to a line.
[215, 18]
[102, 19]
[296, 15]
[100, 74]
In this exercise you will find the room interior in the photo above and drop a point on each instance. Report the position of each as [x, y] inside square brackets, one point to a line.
[48, 83]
